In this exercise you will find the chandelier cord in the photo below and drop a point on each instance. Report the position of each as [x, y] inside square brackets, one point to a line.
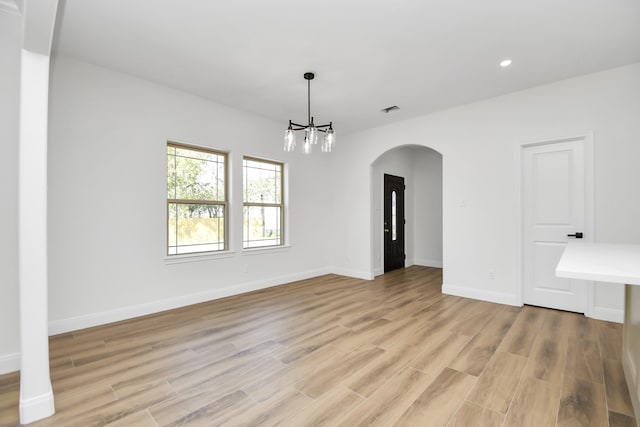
[309, 101]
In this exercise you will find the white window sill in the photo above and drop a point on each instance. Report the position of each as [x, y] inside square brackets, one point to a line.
[265, 250]
[197, 257]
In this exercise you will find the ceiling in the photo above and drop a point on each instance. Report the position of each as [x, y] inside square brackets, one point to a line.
[422, 55]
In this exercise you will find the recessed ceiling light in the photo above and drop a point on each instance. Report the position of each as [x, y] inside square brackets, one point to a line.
[505, 63]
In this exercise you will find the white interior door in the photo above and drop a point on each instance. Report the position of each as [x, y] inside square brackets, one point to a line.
[553, 208]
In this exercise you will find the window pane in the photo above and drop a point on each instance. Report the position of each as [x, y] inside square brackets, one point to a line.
[262, 182]
[171, 173]
[394, 234]
[220, 187]
[195, 228]
[261, 226]
[195, 175]
[173, 225]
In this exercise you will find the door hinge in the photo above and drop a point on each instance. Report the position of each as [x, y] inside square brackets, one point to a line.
[404, 221]
[404, 256]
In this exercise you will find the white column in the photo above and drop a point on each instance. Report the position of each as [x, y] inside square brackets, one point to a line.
[36, 396]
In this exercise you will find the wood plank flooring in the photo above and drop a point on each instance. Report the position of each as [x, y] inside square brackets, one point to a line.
[336, 351]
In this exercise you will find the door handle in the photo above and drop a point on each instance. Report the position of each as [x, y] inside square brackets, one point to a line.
[578, 235]
[386, 230]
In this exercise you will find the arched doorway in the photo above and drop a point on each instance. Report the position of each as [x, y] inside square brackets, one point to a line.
[421, 168]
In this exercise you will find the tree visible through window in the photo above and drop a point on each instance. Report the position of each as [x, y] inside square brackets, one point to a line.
[196, 200]
[263, 203]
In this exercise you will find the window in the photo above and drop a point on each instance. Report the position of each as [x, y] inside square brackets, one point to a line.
[196, 200]
[394, 217]
[263, 207]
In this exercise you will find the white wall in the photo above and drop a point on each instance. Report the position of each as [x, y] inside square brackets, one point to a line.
[479, 143]
[107, 186]
[107, 198]
[427, 175]
[421, 169]
[10, 45]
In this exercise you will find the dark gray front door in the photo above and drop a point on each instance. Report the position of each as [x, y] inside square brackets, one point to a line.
[393, 222]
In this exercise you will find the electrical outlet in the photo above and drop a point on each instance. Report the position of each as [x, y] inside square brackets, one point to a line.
[492, 274]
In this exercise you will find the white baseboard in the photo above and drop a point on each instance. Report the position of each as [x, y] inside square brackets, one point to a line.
[365, 275]
[480, 294]
[428, 263]
[37, 408]
[118, 314]
[409, 262]
[608, 314]
[9, 363]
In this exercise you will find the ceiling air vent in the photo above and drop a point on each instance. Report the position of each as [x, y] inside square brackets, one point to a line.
[390, 109]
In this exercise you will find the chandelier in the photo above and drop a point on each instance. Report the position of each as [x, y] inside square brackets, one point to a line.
[310, 130]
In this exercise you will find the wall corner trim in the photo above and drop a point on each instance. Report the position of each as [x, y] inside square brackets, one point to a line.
[481, 294]
[9, 363]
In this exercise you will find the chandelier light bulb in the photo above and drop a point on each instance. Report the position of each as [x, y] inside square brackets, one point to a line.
[306, 147]
[289, 140]
[329, 140]
[312, 134]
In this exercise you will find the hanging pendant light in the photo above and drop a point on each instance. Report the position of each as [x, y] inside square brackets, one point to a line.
[329, 140]
[306, 147]
[289, 139]
[310, 129]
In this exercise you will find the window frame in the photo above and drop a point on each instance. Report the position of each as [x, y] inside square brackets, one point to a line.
[280, 205]
[224, 203]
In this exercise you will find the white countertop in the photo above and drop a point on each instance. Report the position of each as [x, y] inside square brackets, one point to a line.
[602, 262]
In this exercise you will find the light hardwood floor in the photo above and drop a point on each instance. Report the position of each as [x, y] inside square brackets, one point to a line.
[335, 351]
